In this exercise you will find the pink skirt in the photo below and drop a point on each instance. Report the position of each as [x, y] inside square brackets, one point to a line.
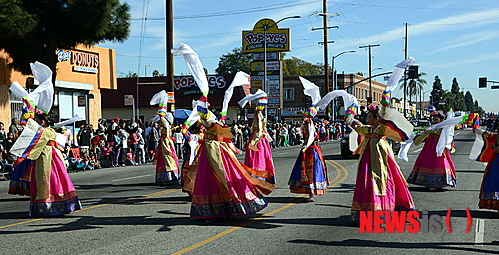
[262, 159]
[61, 195]
[432, 171]
[164, 172]
[212, 199]
[365, 199]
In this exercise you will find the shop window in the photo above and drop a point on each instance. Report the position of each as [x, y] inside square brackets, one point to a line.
[288, 94]
[16, 105]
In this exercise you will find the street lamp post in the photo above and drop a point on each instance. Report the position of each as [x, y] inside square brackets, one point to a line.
[265, 28]
[370, 99]
[145, 70]
[335, 80]
[145, 75]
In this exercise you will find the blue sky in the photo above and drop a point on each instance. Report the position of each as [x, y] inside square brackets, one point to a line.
[448, 38]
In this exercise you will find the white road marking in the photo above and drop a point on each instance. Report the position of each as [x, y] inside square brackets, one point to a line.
[135, 177]
[479, 231]
[418, 150]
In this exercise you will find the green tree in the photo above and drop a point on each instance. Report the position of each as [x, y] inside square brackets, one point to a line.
[296, 66]
[130, 74]
[437, 94]
[360, 73]
[33, 30]
[156, 73]
[415, 86]
[457, 102]
[468, 102]
[234, 62]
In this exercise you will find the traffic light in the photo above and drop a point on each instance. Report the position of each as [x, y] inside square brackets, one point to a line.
[413, 72]
[482, 82]
[369, 100]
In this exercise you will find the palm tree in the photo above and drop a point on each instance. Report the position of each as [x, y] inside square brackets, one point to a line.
[415, 86]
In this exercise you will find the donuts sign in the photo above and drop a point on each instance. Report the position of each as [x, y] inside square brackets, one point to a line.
[81, 62]
[278, 39]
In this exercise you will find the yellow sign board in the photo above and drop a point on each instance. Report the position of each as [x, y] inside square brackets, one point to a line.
[278, 39]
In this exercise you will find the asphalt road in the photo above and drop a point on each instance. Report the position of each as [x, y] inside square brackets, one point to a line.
[126, 213]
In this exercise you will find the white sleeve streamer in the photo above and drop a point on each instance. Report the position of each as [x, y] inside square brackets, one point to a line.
[259, 93]
[404, 149]
[18, 90]
[159, 98]
[311, 90]
[476, 150]
[195, 65]
[45, 90]
[240, 79]
[68, 122]
[398, 71]
[353, 140]
[193, 144]
[348, 99]
[446, 126]
[405, 146]
[311, 135]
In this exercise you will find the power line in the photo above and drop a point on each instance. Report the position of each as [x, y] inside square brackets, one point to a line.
[240, 11]
[429, 8]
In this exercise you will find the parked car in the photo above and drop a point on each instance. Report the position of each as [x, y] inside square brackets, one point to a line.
[346, 152]
[420, 124]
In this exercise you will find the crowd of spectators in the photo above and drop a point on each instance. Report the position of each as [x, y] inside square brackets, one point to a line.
[119, 142]
[282, 133]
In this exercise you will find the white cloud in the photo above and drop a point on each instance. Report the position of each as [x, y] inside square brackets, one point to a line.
[457, 22]
[474, 59]
[470, 39]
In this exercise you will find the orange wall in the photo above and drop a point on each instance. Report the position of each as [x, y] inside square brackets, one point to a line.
[104, 79]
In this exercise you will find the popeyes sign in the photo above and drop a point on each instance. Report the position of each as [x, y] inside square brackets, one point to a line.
[214, 81]
[277, 39]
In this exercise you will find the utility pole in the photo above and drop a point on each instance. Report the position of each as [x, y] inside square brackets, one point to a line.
[169, 46]
[325, 42]
[326, 71]
[405, 75]
[370, 99]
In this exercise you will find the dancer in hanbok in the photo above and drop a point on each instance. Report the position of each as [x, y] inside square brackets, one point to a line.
[51, 191]
[489, 190]
[485, 149]
[222, 185]
[309, 174]
[18, 186]
[193, 137]
[258, 154]
[430, 169]
[167, 170]
[380, 185]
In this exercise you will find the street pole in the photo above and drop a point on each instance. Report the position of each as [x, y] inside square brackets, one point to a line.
[138, 111]
[335, 80]
[265, 67]
[169, 45]
[265, 28]
[405, 75]
[326, 72]
[370, 99]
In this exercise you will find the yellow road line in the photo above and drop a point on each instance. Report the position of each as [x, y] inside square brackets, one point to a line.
[338, 172]
[344, 170]
[228, 231]
[19, 223]
[96, 206]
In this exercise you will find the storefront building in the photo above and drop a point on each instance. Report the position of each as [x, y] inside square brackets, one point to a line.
[82, 73]
[295, 102]
[141, 90]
